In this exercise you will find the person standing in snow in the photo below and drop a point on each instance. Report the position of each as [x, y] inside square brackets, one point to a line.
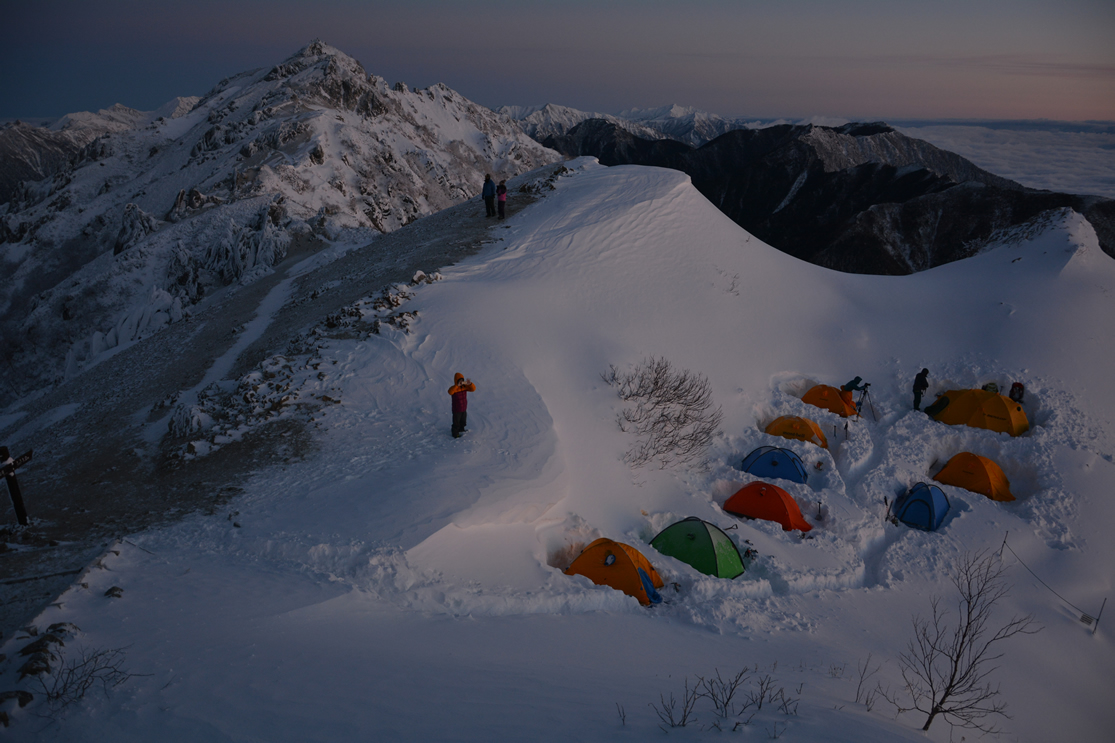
[489, 194]
[501, 196]
[846, 391]
[921, 384]
[459, 392]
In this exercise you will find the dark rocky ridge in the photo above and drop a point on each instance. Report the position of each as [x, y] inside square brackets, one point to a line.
[861, 198]
[31, 153]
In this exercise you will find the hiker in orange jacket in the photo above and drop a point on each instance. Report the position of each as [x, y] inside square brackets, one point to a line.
[459, 392]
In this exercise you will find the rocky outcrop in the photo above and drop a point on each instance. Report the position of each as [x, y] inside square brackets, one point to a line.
[860, 198]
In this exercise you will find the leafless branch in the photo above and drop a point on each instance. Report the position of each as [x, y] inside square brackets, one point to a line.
[946, 667]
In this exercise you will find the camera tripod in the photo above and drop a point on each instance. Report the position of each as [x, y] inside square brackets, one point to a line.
[865, 398]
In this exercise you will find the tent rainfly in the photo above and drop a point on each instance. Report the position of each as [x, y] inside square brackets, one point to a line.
[980, 409]
[824, 396]
[703, 546]
[977, 474]
[761, 500]
[620, 566]
[800, 429]
[771, 461]
[922, 507]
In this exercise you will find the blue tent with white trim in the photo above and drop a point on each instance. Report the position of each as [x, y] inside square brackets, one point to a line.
[922, 507]
[771, 461]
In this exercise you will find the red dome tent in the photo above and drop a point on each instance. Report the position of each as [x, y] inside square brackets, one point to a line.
[761, 500]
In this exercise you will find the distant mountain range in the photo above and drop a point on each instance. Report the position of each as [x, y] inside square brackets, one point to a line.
[687, 125]
[861, 198]
[142, 214]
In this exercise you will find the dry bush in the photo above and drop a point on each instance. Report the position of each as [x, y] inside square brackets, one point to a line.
[670, 411]
[76, 676]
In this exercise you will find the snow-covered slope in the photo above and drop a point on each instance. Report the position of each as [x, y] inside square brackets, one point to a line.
[400, 584]
[163, 210]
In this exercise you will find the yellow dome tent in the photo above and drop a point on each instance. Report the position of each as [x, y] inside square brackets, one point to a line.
[980, 409]
[824, 396]
[620, 566]
[800, 429]
[977, 474]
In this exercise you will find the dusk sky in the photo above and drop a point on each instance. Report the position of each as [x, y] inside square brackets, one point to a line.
[859, 59]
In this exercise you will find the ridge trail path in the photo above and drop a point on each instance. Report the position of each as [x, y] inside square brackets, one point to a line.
[101, 468]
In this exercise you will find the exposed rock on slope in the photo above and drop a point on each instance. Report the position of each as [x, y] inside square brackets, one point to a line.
[861, 198]
[311, 150]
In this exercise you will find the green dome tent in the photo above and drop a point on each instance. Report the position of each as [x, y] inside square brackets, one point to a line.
[703, 546]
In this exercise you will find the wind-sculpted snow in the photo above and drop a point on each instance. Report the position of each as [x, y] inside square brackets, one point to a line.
[312, 150]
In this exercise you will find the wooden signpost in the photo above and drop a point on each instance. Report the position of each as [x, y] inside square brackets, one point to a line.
[7, 469]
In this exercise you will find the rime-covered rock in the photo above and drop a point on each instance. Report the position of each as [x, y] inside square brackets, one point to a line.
[135, 225]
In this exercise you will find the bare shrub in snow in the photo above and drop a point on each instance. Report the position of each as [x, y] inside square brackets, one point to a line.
[76, 676]
[946, 666]
[674, 715]
[722, 691]
[863, 694]
[671, 411]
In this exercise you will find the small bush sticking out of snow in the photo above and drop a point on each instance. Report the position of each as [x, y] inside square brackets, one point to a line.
[671, 412]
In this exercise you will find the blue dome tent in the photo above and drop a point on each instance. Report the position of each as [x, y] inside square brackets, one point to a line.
[922, 507]
[771, 461]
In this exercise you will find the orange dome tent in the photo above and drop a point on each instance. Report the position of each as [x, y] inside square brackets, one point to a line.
[801, 429]
[980, 409]
[761, 500]
[824, 396]
[976, 473]
[608, 563]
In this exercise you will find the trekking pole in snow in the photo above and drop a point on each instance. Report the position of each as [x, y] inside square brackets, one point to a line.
[9, 466]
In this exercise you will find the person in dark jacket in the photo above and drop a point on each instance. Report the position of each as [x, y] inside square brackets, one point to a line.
[489, 194]
[501, 197]
[921, 384]
[459, 392]
[846, 391]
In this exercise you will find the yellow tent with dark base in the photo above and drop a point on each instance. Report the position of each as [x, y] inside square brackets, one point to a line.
[980, 409]
[824, 396]
[799, 429]
[608, 563]
[976, 473]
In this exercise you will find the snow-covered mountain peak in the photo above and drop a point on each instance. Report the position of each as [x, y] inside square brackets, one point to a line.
[311, 149]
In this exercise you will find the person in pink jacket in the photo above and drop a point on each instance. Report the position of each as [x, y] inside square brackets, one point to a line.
[501, 196]
[459, 392]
